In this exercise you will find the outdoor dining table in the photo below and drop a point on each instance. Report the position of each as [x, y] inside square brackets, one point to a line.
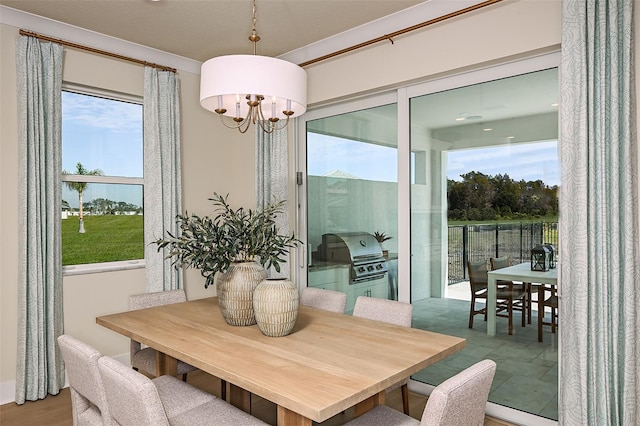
[329, 363]
[521, 272]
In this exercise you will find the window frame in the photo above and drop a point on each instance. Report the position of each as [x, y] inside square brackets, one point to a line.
[119, 265]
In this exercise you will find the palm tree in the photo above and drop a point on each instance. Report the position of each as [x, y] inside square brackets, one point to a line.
[79, 187]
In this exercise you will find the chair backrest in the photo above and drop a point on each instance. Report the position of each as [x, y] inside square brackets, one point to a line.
[160, 298]
[320, 298]
[133, 398]
[149, 300]
[87, 389]
[477, 272]
[461, 399]
[500, 262]
[390, 311]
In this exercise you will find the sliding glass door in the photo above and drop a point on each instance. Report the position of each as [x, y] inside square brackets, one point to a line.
[458, 169]
[352, 202]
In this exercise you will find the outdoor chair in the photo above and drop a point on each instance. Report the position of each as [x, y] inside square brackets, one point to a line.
[551, 302]
[328, 300]
[509, 298]
[392, 312]
[459, 400]
[504, 262]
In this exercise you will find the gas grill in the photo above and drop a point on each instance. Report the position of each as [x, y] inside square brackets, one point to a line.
[359, 249]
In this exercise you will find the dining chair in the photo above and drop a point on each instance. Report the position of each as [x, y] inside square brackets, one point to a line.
[508, 297]
[88, 399]
[328, 300]
[504, 262]
[136, 400]
[459, 400]
[551, 302]
[145, 358]
[392, 312]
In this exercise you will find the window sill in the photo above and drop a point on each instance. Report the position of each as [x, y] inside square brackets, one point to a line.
[94, 268]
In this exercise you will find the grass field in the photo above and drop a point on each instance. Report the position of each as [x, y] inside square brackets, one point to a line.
[108, 238]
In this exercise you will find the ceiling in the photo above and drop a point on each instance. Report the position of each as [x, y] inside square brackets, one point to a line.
[202, 29]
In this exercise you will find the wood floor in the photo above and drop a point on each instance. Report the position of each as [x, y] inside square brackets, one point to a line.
[56, 410]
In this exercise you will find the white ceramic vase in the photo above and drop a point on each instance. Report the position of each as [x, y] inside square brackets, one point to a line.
[235, 292]
[275, 303]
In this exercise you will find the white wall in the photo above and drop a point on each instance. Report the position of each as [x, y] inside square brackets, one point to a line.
[214, 159]
[217, 159]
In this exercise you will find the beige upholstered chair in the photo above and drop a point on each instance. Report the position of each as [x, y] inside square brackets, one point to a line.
[320, 298]
[508, 297]
[459, 400]
[145, 358]
[135, 400]
[88, 399]
[393, 312]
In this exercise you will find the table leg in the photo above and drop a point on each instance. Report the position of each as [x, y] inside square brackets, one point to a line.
[287, 417]
[541, 296]
[240, 398]
[166, 365]
[491, 305]
[369, 403]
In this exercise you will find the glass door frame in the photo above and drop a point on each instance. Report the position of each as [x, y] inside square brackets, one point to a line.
[401, 96]
[300, 149]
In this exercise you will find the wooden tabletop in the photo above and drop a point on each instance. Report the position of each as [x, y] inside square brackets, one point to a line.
[329, 362]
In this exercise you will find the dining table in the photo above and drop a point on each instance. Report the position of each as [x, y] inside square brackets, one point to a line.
[520, 272]
[327, 364]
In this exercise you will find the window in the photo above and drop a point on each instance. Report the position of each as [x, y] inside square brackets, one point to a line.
[102, 181]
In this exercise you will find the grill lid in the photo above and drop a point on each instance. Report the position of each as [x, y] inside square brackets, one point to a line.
[359, 249]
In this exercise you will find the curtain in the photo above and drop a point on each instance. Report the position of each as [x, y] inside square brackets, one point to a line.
[599, 253]
[39, 368]
[162, 192]
[272, 171]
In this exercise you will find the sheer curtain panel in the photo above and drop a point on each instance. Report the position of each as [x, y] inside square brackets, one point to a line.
[272, 172]
[39, 368]
[162, 192]
[599, 253]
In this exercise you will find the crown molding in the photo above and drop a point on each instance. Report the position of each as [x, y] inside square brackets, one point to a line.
[57, 29]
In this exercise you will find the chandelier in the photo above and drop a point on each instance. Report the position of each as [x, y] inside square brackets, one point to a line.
[245, 89]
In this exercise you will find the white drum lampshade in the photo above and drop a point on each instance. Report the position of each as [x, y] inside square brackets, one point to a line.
[226, 81]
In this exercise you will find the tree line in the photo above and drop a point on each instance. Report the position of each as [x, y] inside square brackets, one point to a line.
[106, 206]
[485, 197]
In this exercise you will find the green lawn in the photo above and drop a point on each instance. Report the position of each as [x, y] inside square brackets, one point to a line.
[107, 238]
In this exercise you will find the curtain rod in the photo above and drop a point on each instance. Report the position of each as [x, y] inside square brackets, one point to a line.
[94, 50]
[401, 32]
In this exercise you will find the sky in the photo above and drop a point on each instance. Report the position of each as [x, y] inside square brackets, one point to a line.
[102, 134]
[107, 135]
[531, 161]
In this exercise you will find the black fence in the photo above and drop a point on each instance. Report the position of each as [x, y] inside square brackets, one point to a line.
[478, 242]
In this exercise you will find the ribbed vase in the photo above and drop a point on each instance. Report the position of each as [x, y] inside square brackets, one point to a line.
[275, 303]
[235, 292]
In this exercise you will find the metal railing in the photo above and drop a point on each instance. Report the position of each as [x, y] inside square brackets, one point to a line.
[477, 242]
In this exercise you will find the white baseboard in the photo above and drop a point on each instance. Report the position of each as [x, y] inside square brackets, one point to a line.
[8, 388]
[499, 412]
[7, 392]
